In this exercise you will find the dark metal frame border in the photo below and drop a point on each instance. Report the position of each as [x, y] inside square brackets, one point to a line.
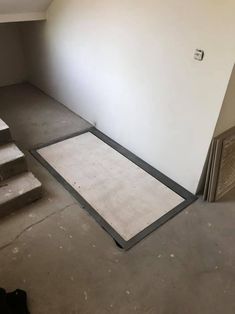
[189, 197]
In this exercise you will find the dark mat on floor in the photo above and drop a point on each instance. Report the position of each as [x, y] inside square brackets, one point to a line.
[13, 302]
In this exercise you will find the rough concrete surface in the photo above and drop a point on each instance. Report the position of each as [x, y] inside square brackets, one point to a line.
[12, 161]
[18, 191]
[5, 135]
[68, 264]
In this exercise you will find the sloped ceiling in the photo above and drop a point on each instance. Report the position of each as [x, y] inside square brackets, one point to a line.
[23, 10]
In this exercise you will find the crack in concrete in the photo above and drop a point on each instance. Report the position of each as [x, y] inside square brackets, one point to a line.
[32, 225]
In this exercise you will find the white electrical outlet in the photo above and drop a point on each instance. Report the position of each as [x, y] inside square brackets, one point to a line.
[199, 55]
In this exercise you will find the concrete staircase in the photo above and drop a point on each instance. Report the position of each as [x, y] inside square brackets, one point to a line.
[18, 187]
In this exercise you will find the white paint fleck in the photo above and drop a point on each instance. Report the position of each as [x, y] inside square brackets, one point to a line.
[85, 296]
[216, 267]
[160, 256]
[21, 192]
[31, 215]
[62, 228]
[93, 245]
[29, 229]
[209, 224]
[128, 292]
[172, 256]
[116, 253]
[61, 247]
[70, 236]
[15, 250]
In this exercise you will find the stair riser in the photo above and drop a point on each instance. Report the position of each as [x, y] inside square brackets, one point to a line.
[20, 201]
[5, 137]
[12, 168]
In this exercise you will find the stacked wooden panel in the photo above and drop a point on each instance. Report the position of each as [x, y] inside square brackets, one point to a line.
[220, 175]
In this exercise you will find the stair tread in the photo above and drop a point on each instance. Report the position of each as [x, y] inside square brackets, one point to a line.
[17, 186]
[3, 125]
[9, 152]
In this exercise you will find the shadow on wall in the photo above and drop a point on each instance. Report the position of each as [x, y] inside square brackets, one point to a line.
[226, 118]
[13, 69]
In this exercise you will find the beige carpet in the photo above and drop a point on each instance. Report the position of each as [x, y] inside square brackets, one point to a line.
[124, 195]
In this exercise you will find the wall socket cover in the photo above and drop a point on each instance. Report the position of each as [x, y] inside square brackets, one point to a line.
[199, 54]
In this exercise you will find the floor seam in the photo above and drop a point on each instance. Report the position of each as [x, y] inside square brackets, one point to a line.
[34, 224]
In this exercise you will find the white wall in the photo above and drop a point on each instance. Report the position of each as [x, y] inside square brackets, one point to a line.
[128, 67]
[12, 63]
[227, 114]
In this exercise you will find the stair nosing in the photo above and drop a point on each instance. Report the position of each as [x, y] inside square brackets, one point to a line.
[13, 158]
[27, 174]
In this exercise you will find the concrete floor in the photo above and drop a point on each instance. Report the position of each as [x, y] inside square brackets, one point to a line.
[64, 260]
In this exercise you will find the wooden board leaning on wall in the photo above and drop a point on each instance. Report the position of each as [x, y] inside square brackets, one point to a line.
[220, 174]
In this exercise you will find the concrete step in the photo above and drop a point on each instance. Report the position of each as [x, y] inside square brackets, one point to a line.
[19, 191]
[12, 161]
[5, 134]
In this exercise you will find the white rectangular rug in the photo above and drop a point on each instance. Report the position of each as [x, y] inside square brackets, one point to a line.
[126, 199]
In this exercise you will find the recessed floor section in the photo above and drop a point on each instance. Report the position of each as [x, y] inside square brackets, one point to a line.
[125, 196]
